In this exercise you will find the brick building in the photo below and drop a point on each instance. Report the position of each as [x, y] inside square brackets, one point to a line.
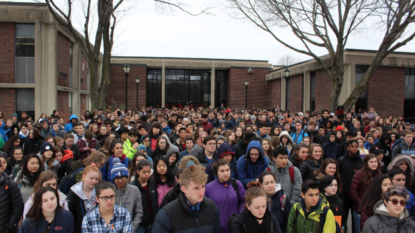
[42, 68]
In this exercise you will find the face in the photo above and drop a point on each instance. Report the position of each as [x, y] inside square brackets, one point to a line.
[162, 144]
[106, 199]
[16, 143]
[156, 131]
[265, 145]
[118, 150]
[139, 158]
[332, 138]
[144, 174]
[399, 180]
[31, 135]
[189, 144]
[408, 139]
[219, 142]
[331, 169]
[172, 158]
[254, 155]
[332, 188]
[58, 156]
[18, 155]
[49, 202]
[232, 136]
[238, 132]
[403, 166]
[303, 154]
[161, 168]
[352, 148]
[52, 183]
[124, 136]
[91, 179]
[317, 153]
[373, 164]
[194, 192]
[258, 206]
[210, 146]
[311, 197]
[33, 165]
[268, 183]
[395, 205]
[120, 182]
[370, 140]
[306, 141]
[321, 131]
[51, 141]
[224, 173]
[263, 130]
[386, 183]
[3, 164]
[103, 131]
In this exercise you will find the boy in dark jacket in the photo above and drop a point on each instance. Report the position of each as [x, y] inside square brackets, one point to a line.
[331, 148]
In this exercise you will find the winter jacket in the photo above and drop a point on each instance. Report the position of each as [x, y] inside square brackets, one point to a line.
[331, 149]
[75, 151]
[232, 123]
[80, 205]
[3, 131]
[69, 126]
[25, 188]
[29, 203]
[130, 199]
[410, 205]
[225, 148]
[383, 222]
[162, 190]
[348, 166]
[63, 222]
[60, 133]
[403, 148]
[202, 158]
[358, 189]
[290, 144]
[298, 138]
[311, 223]
[258, 135]
[312, 134]
[179, 145]
[307, 169]
[386, 148]
[238, 224]
[65, 164]
[128, 149]
[240, 148]
[106, 169]
[167, 129]
[336, 206]
[282, 176]
[152, 188]
[279, 211]
[207, 127]
[248, 171]
[226, 199]
[11, 204]
[176, 217]
[172, 195]
[148, 149]
[32, 146]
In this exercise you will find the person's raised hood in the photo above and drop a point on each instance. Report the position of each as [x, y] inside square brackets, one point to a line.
[255, 144]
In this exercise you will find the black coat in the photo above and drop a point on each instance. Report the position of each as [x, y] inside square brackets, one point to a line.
[152, 188]
[348, 166]
[240, 148]
[77, 208]
[172, 195]
[32, 146]
[11, 205]
[75, 150]
[277, 210]
[336, 206]
[307, 169]
[238, 224]
[63, 220]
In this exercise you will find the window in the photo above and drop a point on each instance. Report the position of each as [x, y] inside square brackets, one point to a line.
[154, 87]
[287, 93]
[25, 101]
[409, 101]
[220, 87]
[25, 40]
[362, 101]
[312, 91]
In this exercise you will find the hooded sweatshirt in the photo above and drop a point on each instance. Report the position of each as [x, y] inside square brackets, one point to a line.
[130, 199]
[3, 131]
[69, 126]
[247, 170]
[224, 149]
[331, 149]
[79, 204]
[45, 132]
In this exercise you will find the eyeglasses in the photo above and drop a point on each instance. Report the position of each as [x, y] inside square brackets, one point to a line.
[399, 180]
[211, 144]
[104, 198]
[395, 202]
[120, 178]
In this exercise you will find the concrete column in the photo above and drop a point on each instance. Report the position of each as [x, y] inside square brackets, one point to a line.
[38, 67]
[283, 91]
[212, 86]
[76, 76]
[306, 91]
[163, 85]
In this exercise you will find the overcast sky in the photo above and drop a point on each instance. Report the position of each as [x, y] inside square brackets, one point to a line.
[146, 31]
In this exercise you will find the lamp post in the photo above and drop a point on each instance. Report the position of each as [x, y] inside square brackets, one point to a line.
[246, 93]
[286, 72]
[126, 71]
[137, 81]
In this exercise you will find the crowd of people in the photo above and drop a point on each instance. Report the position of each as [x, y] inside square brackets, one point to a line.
[207, 170]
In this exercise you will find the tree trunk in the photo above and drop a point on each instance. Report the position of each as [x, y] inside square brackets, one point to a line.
[105, 77]
[93, 79]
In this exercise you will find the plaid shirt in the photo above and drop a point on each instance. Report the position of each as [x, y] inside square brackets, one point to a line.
[120, 222]
[81, 144]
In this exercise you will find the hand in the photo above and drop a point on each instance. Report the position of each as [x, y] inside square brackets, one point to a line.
[136, 145]
[92, 149]
[86, 148]
[257, 179]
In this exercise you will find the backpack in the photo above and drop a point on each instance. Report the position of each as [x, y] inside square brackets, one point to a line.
[235, 186]
[68, 180]
[322, 218]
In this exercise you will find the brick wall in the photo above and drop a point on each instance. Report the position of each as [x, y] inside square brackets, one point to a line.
[63, 105]
[8, 101]
[296, 93]
[64, 57]
[322, 91]
[116, 89]
[84, 72]
[274, 92]
[257, 89]
[386, 91]
[7, 52]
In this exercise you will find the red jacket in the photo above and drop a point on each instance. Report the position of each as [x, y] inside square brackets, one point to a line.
[358, 189]
[207, 126]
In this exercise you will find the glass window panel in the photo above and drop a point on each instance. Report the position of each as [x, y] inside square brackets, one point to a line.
[312, 84]
[25, 98]
[25, 40]
[410, 85]
[170, 75]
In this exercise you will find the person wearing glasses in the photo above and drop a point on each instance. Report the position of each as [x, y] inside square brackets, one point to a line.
[208, 155]
[127, 196]
[390, 213]
[398, 178]
[108, 217]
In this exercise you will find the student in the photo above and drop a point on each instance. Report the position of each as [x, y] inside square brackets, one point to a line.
[191, 210]
[189, 146]
[282, 167]
[73, 120]
[300, 155]
[305, 215]
[406, 163]
[329, 168]
[87, 144]
[370, 141]
[313, 162]
[116, 218]
[117, 155]
[250, 166]
[97, 157]
[226, 152]
[329, 187]
[46, 214]
[127, 196]
[47, 156]
[164, 177]
[32, 145]
[175, 192]
[131, 144]
[398, 178]
[69, 145]
[12, 203]
[15, 160]
[406, 146]
[28, 175]
[227, 193]
[208, 154]
[331, 148]
[299, 133]
[162, 147]
[149, 197]
[374, 193]
[81, 197]
[46, 178]
[56, 131]
[390, 213]
[280, 204]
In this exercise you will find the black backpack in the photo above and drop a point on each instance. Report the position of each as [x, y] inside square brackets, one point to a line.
[68, 181]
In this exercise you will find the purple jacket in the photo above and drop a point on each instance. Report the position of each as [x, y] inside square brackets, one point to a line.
[226, 200]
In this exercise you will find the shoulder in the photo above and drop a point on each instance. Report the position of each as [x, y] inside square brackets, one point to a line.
[64, 214]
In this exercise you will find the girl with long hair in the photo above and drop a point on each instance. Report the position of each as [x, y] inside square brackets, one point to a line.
[33, 143]
[154, 133]
[313, 162]
[231, 137]
[31, 167]
[329, 167]
[13, 141]
[329, 188]
[164, 177]
[300, 155]
[15, 159]
[286, 141]
[239, 133]
[162, 147]
[97, 157]
[116, 149]
[138, 156]
[267, 147]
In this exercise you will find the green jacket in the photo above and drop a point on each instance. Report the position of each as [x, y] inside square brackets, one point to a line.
[299, 224]
[128, 149]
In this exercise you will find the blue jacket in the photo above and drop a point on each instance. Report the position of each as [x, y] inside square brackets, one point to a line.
[367, 145]
[63, 222]
[410, 205]
[299, 137]
[3, 131]
[253, 170]
[232, 123]
[69, 126]
[167, 129]
[106, 169]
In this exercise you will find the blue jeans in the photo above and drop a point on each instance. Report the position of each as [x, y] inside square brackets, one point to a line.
[356, 217]
[145, 229]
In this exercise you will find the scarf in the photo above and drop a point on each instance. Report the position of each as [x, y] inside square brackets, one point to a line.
[194, 209]
[68, 155]
[252, 223]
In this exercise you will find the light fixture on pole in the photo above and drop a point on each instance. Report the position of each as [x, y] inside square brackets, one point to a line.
[286, 72]
[126, 69]
[137, 81]
[246, 93]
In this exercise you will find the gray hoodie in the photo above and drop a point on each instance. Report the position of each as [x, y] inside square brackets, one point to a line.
[90, 203]
[130, 199]
[383, 222]
[282, 176]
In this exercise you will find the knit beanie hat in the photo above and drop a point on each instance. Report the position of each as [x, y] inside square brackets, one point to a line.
[118, 169]
[220, 137]
[326, 181]
[339, 128]
[46, 146]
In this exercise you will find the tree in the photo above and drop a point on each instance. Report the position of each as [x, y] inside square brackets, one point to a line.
[104, 36]
[328, 24]
[286, 60]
